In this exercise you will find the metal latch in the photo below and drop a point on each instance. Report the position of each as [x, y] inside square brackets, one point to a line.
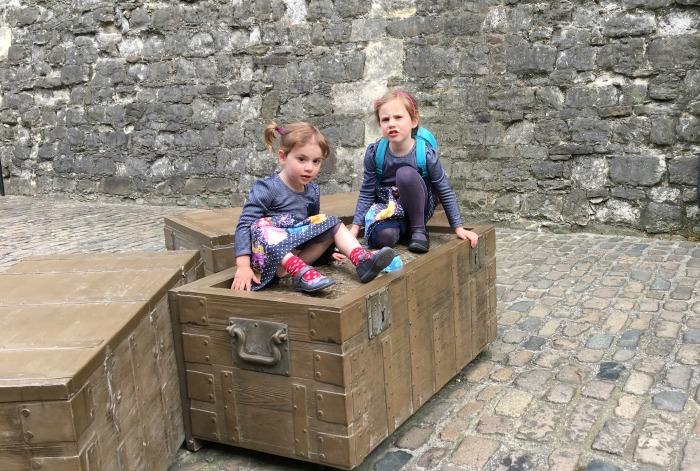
[476, 255]
[259, 345]
[378, 312]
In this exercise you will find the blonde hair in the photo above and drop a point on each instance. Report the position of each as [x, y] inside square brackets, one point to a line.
[406, 98]
[290, 135]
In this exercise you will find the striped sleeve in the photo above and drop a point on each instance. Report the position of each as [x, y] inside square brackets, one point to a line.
[255, 207]
[441, 185]
[366, 198]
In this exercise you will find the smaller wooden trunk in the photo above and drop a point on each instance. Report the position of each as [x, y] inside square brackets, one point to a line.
[326, 378]
[211, 231]
[88, 377]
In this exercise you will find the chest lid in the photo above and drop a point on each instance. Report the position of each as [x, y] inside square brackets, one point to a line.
[60, 314]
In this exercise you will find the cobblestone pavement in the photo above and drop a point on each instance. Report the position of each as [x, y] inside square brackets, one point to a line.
[596, 365]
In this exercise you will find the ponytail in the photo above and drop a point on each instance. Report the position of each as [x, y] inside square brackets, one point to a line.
[293, 134]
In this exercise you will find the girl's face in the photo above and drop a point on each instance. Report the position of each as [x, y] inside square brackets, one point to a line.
[301, 165]
[395, 122]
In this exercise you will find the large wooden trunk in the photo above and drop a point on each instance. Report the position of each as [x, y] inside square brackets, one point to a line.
[88, 377]
[211, 231]
[326, 378]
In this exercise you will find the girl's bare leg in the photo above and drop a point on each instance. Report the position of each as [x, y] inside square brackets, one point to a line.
[345, 241]
[309, 255]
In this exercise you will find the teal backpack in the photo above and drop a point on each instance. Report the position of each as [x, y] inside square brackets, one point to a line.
[423, 137]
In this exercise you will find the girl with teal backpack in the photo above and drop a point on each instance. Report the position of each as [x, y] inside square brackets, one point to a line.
[402, 176]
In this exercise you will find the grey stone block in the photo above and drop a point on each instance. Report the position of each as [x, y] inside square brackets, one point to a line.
[115, 185]
[625, 56]
[413, 26]
[629, 339]
[636, 170]
[688, 128]
[663, 131]
[627, 24]
[683, 170]
[610, 370]
[392, 460]
[665, 87]
[662, 217]
[579, 58]
[599, 465]
[599, 341]
[674, 52]
[669, 400]
[523, 58]
[431, 60]
[590, 131]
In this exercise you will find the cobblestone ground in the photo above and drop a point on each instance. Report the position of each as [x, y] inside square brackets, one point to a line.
[596, 365]
[39, 226]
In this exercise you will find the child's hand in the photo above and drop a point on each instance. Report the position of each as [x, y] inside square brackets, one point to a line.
[464, 234]
[242, 279]
[337, 256]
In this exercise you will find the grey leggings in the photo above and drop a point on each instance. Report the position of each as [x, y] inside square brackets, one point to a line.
[413, 197]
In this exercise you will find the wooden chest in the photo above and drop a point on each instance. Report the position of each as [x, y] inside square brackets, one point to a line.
[88, 377]
[326, 378]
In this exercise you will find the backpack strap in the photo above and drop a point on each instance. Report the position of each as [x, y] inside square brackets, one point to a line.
[379, 154]
[423, 138]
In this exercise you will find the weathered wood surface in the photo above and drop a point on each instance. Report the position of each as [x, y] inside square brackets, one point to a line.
[88, 377]
[340, 392]
[212, 231]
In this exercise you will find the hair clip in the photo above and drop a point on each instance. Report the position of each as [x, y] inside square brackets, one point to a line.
[280, 130]
[407, 96]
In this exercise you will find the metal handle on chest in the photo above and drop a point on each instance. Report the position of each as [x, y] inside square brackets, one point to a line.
[277, 338]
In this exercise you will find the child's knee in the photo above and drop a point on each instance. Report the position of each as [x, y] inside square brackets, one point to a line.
[385, 237]
[407, 174]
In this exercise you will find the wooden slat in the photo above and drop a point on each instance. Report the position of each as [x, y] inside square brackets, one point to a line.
[478, 293]
[152, 416]
[397, 375]
[329, 368]
[200, 386]
[219, 258]
[205, 424]
[333, 407]
[422, 360]
[54, 463]
[230, 411]
[105, 262]
[300, 416]
[334, 450]
[196, 348]
[124, 406]
[167, 376]
[47, 422]
[368, 375]
[464, 347]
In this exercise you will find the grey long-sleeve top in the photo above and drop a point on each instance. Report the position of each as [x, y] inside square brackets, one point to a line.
[438, 182]
[271, 197]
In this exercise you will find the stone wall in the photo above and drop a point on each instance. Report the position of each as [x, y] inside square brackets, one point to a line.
[568, 114]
